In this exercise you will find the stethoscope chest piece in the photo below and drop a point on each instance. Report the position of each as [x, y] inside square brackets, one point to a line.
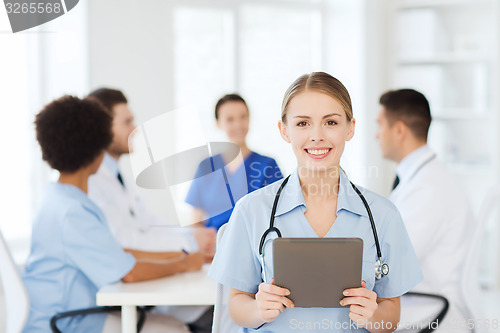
[381, 269]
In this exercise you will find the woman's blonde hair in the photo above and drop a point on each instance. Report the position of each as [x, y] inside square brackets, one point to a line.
[320, 82]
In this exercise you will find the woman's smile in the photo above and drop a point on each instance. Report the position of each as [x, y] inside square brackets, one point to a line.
[318, 152]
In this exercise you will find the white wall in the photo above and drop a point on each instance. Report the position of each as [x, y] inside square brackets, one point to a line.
[376, 64]
[130, 50]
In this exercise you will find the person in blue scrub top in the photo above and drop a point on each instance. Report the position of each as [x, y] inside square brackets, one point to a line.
[232, 116]
[318, 201]
[73, 253]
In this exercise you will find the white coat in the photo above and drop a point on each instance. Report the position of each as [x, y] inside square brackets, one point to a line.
[439, 222]
[129, 220]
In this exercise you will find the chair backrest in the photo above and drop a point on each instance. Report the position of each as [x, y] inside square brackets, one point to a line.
[470, 288]
[221, 232]
[16, 296]
[222, 323]
[219, 292]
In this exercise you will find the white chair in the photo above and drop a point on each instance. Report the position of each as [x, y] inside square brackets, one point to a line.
[422, 312]
[222, 323]
[470, 288]
[16, 297]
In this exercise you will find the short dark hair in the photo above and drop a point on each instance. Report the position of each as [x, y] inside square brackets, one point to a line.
[109, 97]
[410, 107]
[72, 132]
[227, 98]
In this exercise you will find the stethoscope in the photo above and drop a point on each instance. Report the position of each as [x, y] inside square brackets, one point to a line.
[381, 269]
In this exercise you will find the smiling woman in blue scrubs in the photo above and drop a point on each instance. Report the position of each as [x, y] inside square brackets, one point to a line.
[232, 116]
[318, 201]
[73, 253]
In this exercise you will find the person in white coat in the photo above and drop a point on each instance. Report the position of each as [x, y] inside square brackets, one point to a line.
[129, 220]
[435, 210]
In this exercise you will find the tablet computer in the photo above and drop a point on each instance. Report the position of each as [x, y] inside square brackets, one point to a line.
[317, 270]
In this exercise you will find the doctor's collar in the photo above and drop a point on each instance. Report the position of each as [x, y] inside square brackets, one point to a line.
[412, 161]
[110, 163]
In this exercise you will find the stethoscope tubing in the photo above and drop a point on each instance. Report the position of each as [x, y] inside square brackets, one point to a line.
[273, 212]
[372, 222]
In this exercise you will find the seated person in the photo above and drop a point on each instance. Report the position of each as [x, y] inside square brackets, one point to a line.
[256, 171]
[435, 210]
[73, 253]
[129, 220]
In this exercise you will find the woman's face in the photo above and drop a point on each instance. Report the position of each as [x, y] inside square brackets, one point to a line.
[317, 127]
[234, 120]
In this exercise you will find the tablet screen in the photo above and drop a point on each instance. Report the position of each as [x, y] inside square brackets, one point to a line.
[317, 270]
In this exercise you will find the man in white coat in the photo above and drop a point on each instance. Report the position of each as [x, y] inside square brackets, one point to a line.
[435, 211]
[129, 220]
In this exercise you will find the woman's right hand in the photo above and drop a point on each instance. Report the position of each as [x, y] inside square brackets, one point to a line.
[205, 237]
[271, 301]
[194, 261]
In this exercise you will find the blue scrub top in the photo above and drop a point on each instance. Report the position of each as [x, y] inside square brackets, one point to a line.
[237, 261]
[209, 193]
[73, 254]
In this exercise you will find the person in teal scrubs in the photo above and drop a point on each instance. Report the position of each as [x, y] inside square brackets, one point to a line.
[318, 201]
[73, 253]
[232, 116]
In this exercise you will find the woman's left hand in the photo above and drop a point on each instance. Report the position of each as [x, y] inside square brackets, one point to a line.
[363, 304]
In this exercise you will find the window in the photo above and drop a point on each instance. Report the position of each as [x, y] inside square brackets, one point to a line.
[256, 49]
[37, 66]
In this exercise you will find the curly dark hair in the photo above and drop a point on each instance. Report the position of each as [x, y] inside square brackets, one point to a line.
[72, 132]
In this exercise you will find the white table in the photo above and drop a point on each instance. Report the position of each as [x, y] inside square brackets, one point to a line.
[192, 288]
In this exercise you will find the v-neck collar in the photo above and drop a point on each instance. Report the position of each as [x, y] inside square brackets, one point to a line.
[348, 199]
[222, 163]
